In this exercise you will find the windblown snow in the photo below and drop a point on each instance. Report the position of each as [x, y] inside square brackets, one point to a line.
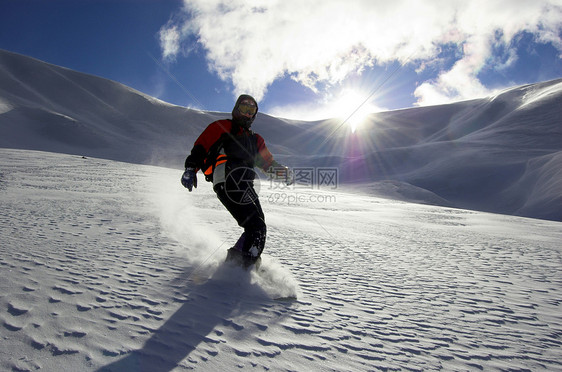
[107, 264]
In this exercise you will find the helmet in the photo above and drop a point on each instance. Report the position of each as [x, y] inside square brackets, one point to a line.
[243, 112]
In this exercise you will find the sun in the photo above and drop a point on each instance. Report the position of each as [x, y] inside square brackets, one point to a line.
[353, 107]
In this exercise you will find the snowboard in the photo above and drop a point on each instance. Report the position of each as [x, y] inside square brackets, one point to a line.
[264, 275]
[236, 257]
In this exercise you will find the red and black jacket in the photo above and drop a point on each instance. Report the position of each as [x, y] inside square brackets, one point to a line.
[223, 141]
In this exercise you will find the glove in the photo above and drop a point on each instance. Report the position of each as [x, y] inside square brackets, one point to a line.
[290, 178]
[189, 179]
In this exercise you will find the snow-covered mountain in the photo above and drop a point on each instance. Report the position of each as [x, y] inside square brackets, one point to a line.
[111, 266]
[500, 154]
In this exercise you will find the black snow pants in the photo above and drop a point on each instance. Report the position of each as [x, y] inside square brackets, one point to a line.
[241, 200]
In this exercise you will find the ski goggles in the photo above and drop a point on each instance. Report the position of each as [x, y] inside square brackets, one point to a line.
[247, 109]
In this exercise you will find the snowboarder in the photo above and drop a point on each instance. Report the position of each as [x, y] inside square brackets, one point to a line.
[227, 152]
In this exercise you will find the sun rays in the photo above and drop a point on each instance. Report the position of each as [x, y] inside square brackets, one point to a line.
[354, 106]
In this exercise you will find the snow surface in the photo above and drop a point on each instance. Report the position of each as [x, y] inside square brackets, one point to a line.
[109, 266]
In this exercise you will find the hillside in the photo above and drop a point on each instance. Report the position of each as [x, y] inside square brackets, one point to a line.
[500, 154]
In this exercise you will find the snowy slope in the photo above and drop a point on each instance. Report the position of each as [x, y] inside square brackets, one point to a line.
[46, 107]
[500, 154]
[108, 266]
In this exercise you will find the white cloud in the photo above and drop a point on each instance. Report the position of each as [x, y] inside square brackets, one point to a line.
[169, 41]
[481, 26]
[319, 43]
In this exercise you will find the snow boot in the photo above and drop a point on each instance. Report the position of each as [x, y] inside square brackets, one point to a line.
[242, 259]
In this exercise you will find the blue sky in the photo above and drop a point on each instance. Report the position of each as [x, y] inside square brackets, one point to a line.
[301, 60]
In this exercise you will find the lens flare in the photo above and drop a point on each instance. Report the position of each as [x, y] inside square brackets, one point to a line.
[354, 107]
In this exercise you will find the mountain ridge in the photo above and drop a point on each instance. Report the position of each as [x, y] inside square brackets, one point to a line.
[498, 154]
